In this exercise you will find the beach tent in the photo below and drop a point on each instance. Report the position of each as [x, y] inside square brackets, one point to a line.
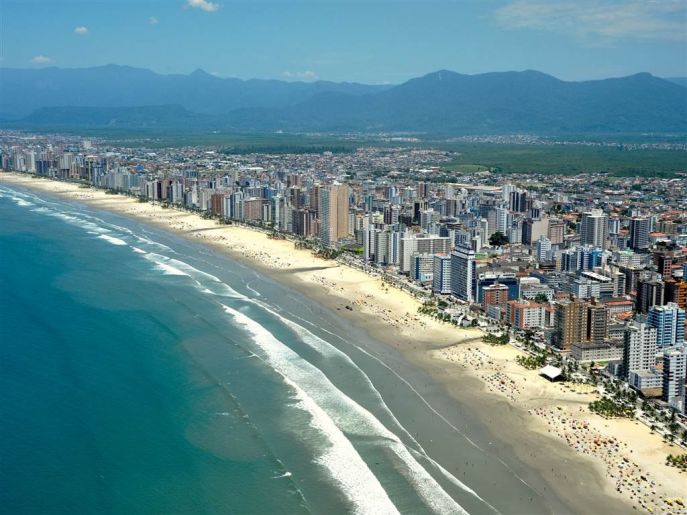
[551, 373]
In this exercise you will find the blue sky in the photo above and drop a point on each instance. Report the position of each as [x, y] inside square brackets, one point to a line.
[375, 41]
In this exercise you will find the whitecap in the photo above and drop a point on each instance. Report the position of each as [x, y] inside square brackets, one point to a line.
[112, 239]
[334, 413]
[326, 349]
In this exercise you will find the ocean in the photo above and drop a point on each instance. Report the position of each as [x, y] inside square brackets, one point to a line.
[143, 373]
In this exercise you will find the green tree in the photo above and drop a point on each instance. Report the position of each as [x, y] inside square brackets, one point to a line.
[541, 298]
[498, 239]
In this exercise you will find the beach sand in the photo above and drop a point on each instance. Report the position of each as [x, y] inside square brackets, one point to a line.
[624, 451]
[547, 426]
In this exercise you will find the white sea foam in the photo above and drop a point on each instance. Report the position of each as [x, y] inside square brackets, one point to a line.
[21, 202]
[334, 413]
[327, 350]
[207, 283]
[138, 251]
[168, 269]
[405, 381]
[148, 241]
[254, 291]
[340, 458]
[112, 239]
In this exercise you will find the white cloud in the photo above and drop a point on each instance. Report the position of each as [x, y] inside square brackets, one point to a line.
[306, 75]
[605, 19]
[41, 59]
[203, 5]
[153, 20]
[81, 30]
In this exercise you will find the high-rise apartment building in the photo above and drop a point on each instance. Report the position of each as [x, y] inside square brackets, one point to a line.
[597, 323]
[570, 325]
[556, 232]
[463, 273]
[669, 321]
[649, 293]
[495, 295]
[333, 213]
[421, 244]
[674, 368]
[639, 347]
[639, 234]
[441, 282]
[543, 248]
[594, 228]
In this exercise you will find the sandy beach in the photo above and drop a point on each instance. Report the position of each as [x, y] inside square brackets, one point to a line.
[615, 464]
[625, 452]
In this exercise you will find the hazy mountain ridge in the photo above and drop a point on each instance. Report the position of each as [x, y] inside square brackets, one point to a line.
[22, 91]
[439, 102]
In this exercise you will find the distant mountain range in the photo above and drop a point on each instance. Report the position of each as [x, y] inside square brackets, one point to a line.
[442, 102]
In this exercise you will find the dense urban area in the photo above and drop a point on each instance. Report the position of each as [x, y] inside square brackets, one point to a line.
[586, 273]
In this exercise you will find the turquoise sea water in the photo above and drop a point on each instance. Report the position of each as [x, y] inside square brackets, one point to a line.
[141, 373]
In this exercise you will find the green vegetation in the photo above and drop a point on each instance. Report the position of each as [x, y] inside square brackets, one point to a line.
[289, 149]
[541, 298]
[618, 401]
[466, 168]
[492, 339]
[611, 408]
[327, 253]
[679, 461]
[498, 239]
[532, 362]
[430, 308]
[567, 159]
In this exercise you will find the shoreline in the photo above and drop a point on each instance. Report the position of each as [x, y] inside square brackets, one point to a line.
[522, 410]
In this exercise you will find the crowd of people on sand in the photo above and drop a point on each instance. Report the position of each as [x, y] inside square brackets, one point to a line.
[635, 484]
[492, 373]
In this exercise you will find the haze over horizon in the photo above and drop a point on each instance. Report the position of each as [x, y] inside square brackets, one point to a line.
[373, 42]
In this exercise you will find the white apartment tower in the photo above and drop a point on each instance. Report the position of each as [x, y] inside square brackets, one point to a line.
[639, 352]
[674, 366]
[463, 274]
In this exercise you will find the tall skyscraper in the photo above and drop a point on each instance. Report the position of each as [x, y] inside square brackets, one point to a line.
[639, 350]
[570, 324]
[669, 321]
[333, 213]
[543, 248]
[594, 228]
[649, 293]
[639, 234]
[463, 274]
[674, 367]
[556, 231]
[597, 323]
[442, 274]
